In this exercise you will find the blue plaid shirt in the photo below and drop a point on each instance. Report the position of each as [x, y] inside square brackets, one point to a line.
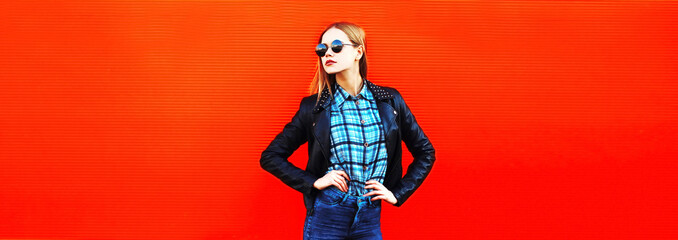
[358, 146]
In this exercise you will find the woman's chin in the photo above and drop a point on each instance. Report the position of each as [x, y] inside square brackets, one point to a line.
[331, 70]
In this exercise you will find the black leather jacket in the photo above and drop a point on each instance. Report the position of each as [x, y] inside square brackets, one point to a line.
[311, 124]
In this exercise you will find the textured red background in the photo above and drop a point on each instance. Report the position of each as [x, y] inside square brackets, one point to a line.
[146, 120]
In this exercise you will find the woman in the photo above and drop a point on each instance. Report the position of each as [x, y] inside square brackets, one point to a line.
[354, 130]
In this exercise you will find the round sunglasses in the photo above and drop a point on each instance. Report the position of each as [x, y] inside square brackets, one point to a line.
[336, 46]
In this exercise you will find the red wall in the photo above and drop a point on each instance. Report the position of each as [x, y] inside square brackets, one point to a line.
[146, 120]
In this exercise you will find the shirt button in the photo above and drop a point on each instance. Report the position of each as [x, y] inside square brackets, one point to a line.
[357, 103]
[366, 144]
[365, 167]
[362, 121]
[394, 112]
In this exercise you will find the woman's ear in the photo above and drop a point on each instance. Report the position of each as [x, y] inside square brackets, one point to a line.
[360, 53]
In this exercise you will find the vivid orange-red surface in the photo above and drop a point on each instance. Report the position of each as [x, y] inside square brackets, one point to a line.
[146, 119]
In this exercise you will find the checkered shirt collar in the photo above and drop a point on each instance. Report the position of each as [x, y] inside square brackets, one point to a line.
[379, 93]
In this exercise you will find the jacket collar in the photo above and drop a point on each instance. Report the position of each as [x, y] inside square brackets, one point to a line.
[378, 92]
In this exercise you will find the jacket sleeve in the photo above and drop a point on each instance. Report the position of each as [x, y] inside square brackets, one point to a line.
[274, 157]
[421, 149]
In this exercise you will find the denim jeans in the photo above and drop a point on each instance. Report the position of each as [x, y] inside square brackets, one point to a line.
[338, 215]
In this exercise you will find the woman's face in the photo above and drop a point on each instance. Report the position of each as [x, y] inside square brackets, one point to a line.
[346, 58]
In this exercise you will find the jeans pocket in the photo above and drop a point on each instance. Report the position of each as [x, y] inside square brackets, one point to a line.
[328, 199]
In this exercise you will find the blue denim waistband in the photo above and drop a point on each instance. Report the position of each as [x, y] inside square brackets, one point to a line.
[350, 199]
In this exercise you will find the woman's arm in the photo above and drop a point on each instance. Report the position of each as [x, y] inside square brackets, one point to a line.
[421, 148]
[274, 157]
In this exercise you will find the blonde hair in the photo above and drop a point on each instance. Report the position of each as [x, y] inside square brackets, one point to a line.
[322, 79]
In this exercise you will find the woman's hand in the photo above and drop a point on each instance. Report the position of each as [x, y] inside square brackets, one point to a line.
[334, 177]
[381, 192]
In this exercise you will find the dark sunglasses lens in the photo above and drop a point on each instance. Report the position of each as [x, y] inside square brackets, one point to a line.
[321, 49]
[337, 45]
